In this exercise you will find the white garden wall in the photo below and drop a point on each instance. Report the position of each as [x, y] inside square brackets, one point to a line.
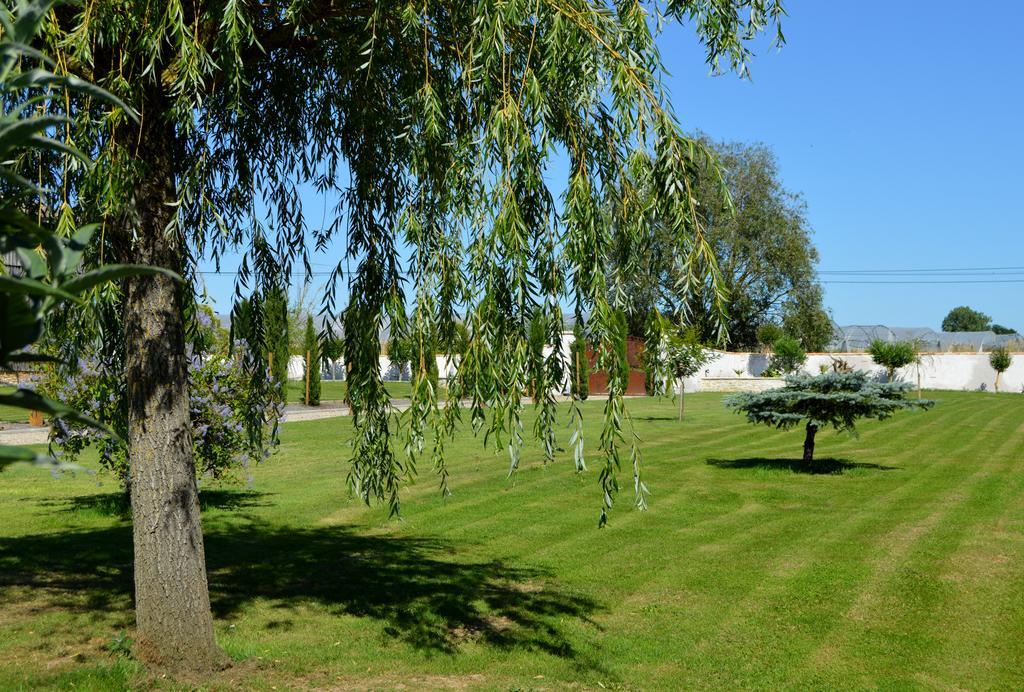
[445, 368]
[958, 371]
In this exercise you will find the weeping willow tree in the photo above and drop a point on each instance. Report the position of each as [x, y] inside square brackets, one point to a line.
[432, 127]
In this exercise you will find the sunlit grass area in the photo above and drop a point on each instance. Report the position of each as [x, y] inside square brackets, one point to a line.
[334, 390]
[897, 561]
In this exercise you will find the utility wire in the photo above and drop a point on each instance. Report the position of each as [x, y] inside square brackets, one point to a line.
[925, 281]
[950, 270]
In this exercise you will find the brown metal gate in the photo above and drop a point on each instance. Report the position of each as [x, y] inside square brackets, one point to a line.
[635, 386]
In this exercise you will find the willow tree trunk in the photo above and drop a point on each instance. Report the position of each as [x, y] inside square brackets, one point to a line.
[172, 602]
[812, 430]
[682, 386]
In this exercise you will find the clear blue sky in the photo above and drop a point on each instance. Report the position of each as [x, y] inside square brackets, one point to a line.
[900, 122]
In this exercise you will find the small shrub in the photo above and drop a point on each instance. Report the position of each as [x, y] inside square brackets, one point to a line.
[120, 645]
[892, 355]
[223, 408]
[1000, 360]
[768, 334]
[840, 365]
[788, 356]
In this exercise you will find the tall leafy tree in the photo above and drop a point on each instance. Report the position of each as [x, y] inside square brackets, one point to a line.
[966, 319]
[761, 241]
[432, 126]
[277, 340]
[312, 358]
[579, 364]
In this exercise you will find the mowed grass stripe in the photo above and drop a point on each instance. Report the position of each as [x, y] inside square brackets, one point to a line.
[797, 589]
[736, 577]
[891, 554]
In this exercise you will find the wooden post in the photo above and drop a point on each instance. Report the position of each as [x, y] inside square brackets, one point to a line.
[307, 378]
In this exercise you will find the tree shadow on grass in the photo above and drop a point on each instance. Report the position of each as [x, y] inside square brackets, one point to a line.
[821, 466]
[418, 587]
[118, 505]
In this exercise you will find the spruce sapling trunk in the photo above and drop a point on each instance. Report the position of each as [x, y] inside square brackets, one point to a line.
[812, 429]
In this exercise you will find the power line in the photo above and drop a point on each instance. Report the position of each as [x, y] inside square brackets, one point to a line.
[926, 281]
[947, 270]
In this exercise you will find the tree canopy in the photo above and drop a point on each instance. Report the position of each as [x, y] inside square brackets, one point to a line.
[788, 356]
[760, 237]
[893, 355]
[429, 131]
[966, 319]
[1000, 359]
[836, 399]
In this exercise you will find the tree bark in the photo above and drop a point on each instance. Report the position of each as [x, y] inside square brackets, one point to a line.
[682, 385]
[812, 429]
[172, 603]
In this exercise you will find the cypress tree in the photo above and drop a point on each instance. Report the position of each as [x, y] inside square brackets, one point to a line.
[312, 359]
[579, 365]
[275, 320]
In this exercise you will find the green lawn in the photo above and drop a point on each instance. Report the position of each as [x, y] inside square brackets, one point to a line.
[901, 567]
[10, 414]
[334, 390]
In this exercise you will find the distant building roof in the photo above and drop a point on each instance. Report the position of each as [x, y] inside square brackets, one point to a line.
[858, 337]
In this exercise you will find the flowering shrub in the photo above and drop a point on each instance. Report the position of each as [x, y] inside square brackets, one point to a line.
[228, 430]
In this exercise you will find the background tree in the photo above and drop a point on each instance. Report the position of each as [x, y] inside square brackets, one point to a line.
[536, 344]
[762, 246]
[965, 319]
[333, 348]
[416, 352]
[243, 322]
[804, 318]
[277, 339]
[431, 126]
[312, 358]
[767, 334]
[788, 356]
[685, 355]
[299, 309]
[1001, 330]
[458, 341]
[210, 335]
[838, 399]
[893, 355]
[1000, 360]
[579, 365]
